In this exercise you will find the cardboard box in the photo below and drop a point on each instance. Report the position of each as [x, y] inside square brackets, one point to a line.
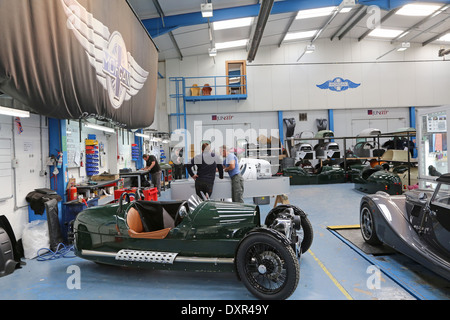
[105, 177]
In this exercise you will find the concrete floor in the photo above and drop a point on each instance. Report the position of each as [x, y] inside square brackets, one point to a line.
[330, 270]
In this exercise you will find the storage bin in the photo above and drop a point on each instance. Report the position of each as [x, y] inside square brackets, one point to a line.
[261, 200]
[151, 194]
[71, 210]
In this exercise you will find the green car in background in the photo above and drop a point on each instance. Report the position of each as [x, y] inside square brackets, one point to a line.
[327, 175]
[199, 235]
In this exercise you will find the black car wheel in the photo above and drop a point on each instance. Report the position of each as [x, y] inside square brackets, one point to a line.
[7, 262]
[367, 223]
[268, 268]
[308, 234]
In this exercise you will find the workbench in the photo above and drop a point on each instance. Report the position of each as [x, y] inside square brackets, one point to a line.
[140, 174]
[87, 188]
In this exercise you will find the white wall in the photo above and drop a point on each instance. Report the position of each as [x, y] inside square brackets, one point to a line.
[28, 147]
[416, 77]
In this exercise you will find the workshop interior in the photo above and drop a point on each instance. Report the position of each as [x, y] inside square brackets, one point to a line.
[224, 150]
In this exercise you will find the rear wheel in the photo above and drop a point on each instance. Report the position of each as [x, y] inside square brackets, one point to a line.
[7, 262]
[268, 268]
[367, 222]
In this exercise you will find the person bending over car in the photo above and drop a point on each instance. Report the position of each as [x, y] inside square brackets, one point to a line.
[207, 163]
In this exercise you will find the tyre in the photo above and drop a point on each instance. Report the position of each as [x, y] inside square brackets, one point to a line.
[7, 263]
[367, 223]
[268, 268]
[308, 234]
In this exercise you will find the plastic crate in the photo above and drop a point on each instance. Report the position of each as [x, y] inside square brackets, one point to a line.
[151, 194]
[118, 192]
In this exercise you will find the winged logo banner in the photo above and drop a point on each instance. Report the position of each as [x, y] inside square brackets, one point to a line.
[72, 59]
[338, 85]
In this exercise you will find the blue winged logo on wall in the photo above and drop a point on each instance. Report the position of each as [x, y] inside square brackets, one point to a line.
[338, 84]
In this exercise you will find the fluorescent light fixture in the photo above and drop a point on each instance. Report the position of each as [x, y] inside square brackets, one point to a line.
[140, 135]
[315, 13]
[233, 23]
[207, 10]
[405, 46]
[445, 38]
[310, 48]
[346, 6]
[385, 33]
[418, 9]
[300, 35]
[231, 44]
[97, 127]
[14, 112]
[346, 10]
[212, 52]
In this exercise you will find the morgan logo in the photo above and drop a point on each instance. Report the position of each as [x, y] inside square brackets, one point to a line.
[338, 85]
[116, 69]
[222, 118]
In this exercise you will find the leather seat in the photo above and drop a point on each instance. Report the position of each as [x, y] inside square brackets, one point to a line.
[136, 228]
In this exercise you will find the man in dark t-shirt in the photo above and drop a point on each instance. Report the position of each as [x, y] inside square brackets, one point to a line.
[207, 163]
[152, 165]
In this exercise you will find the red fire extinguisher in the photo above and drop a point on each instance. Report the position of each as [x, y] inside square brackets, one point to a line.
[72, 193]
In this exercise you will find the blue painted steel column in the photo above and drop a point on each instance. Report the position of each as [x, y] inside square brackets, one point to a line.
[331, 119]
[412, 124]
[280, 127]
[58, 143]
[412, 117]
[140, 144]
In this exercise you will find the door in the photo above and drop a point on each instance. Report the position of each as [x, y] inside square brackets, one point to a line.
[236, 77]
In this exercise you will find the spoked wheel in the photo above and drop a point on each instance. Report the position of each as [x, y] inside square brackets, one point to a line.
[268, 268]
[368, 226]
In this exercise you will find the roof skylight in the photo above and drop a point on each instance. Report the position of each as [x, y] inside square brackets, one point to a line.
[233, 23]
[418, 9]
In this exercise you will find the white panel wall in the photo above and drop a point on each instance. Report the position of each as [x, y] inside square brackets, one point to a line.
[416, 77]
[28, 147]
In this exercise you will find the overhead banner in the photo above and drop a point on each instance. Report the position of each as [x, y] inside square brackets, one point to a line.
[76, 59]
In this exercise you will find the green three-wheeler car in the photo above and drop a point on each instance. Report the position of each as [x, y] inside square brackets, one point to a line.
[199, 235]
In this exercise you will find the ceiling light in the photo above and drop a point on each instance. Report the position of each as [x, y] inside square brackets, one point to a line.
[300, 35]
[310, 48]
[141, 135]
[385, 33]
[97, 127]
[445, 38]
[231, 44]
[234, 23]
[345, 10]
[14, 112]
[418, 10]
[212, 52]
[315, 13]
[207, 10]
[405, 46]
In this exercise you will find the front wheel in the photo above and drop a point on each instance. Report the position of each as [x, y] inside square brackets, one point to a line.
[367, 222]
[268, 268]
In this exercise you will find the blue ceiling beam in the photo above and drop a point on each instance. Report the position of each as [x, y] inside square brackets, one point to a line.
[158, 26]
